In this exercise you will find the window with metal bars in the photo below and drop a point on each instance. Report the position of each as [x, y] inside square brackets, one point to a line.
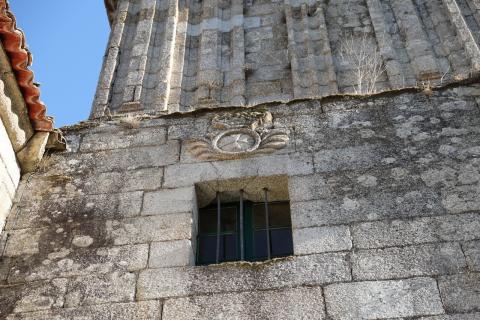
[244, 231]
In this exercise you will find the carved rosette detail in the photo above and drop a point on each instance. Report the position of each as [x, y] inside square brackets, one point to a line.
[239, 135]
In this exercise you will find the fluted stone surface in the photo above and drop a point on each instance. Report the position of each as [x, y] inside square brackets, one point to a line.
[167, 55]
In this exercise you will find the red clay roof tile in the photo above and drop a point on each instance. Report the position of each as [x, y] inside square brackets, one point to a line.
[13, 41]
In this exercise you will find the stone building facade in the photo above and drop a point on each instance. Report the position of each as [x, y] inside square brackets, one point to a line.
[382, 180]
[25, 130]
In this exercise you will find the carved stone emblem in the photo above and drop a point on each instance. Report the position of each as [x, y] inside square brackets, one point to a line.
[237, 135]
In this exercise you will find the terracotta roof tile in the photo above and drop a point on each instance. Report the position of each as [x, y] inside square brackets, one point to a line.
[13, 41]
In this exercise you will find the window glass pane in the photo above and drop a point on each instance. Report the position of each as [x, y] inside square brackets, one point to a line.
[206, 249]
[278, 215]
[229, 219]
[255, 235]
[260, 245]
[208, 220]
[281, 242]
[229, 248]
[207, 246]
[259, 216]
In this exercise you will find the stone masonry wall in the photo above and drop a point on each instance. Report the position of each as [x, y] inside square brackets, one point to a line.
[15, 131]
[385, 201]
[176, 55]
[9, 174]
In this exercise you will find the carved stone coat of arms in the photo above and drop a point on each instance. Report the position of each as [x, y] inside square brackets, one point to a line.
[237, 135]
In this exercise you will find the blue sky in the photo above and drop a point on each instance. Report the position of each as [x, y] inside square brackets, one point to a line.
[68, 40]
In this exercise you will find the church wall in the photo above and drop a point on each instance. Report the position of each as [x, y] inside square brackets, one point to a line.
[9, 174]
[384, 195]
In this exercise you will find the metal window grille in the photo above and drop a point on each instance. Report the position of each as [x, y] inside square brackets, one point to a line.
[241, 233]
[244, 230]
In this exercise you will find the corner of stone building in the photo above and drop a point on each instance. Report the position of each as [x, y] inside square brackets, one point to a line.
[383, 188]
[21, 148]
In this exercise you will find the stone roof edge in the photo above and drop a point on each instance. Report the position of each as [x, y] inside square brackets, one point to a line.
[473, 80]
[14, 44]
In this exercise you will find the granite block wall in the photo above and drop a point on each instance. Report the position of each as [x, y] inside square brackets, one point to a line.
[9, 174]
[13, 135]
[168, 56]
[384, 194]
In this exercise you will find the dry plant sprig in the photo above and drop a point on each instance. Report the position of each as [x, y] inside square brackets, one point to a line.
[365, 60]
[427, 87]
[130, 122]
[46, 162]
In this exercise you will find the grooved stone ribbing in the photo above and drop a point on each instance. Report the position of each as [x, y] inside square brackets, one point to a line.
[166, 56]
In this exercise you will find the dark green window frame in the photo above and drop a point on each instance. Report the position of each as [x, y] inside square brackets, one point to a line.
[243, 234]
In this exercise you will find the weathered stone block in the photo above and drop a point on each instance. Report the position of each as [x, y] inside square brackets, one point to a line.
[115, 160]
[147, 229]
[135, 158]
[365, 206]
[34, 296]
[123, 138]
[171, 254]
[398, 179]
[123, 181]
[7, 156]
[465, 316]
[462, 198]
[352, 158]
[425, 260]
[472, 253]
[24, 241]
[182, 175]
[150, 310]
[304, 188]
[169, 201]
[73, 142]
[80, 262]
[339, 132]
[460, 293]
[447, 174]
[34, 213]
[296, 303]
[113, 287]
[378, 234]
[6, 199]
[383, 299]
[305, 270]
[4, 265]
[318, 240]
[197, 128]
[9, 174]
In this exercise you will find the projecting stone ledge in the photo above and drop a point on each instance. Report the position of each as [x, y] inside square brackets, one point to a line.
[310, 270]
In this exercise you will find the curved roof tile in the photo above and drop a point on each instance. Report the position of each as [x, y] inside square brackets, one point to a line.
[13, 41]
